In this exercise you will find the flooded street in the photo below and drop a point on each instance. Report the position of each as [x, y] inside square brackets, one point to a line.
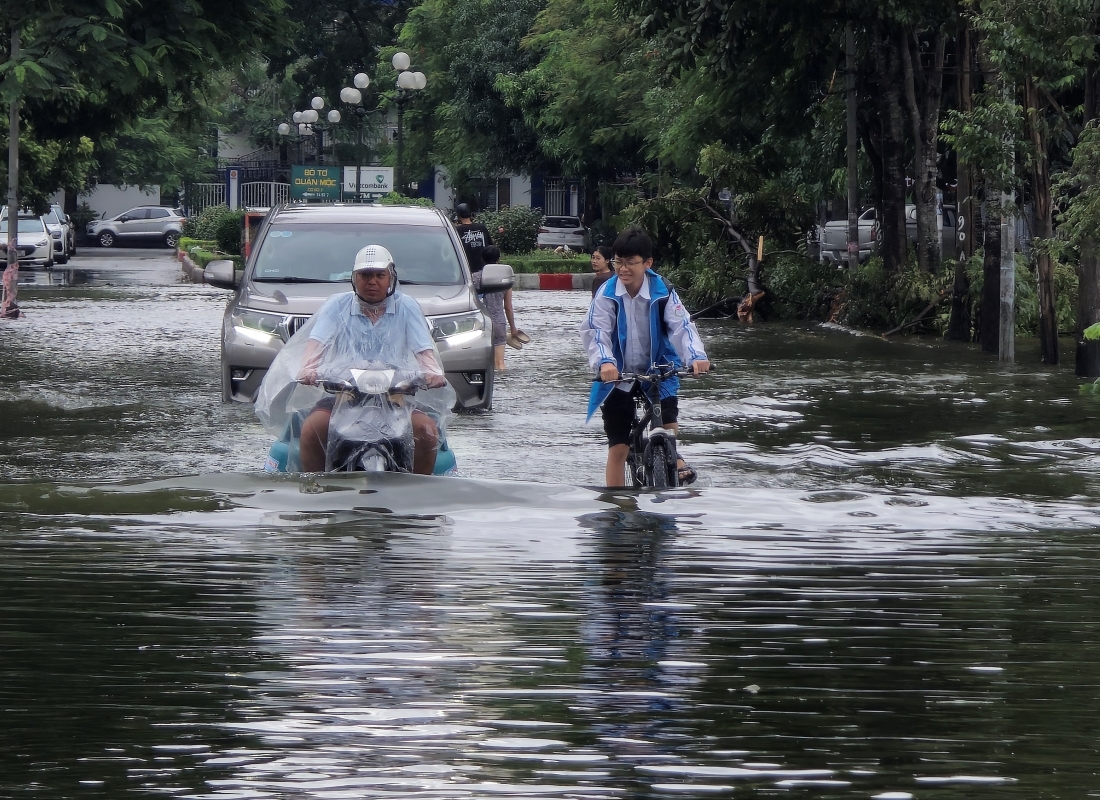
[883, 585]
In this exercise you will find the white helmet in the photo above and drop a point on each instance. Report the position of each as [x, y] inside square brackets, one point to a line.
[373, 257]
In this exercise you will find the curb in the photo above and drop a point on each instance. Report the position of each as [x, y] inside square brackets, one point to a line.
[555, 281]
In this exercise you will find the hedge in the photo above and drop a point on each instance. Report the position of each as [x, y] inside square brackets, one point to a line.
[203, 257]
[546, 262]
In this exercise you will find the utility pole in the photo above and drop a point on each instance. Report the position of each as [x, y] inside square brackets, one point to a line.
[853, 143]
[9, 308]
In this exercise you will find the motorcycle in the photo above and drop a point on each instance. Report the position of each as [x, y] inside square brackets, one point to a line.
[370, 429]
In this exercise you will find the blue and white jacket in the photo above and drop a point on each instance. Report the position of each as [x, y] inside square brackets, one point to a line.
[673, 338]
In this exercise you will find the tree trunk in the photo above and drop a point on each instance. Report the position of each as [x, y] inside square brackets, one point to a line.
[892, 147]
[1044, 223]
[923, 93]
[9, 306]
[989, 324]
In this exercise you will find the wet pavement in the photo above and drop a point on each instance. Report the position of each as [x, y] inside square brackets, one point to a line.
[882, 586]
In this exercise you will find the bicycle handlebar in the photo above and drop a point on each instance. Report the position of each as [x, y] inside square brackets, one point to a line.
[659, 374]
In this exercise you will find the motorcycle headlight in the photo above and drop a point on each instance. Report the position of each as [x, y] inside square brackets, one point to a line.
[458, 329]
[257, 325]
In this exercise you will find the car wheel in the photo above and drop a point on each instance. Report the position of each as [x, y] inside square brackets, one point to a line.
[106, 239]
[172, 238]
[72, 249]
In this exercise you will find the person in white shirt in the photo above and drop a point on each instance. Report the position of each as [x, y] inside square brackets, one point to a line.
[637, 321]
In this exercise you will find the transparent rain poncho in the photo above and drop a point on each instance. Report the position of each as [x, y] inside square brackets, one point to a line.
[362, 354]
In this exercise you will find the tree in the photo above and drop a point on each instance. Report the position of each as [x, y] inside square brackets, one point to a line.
[1040, 50]
[86, 67]
[471, 51]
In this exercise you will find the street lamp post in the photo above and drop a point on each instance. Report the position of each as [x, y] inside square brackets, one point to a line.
[408, 84]
[352, 96]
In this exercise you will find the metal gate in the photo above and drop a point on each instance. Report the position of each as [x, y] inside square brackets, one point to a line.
[264, 194]
[198, 196]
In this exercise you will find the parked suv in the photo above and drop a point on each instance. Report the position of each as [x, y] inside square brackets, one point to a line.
[303, 254]
[143, 222]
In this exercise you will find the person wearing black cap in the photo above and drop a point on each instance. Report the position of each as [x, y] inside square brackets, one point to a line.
[475, 237]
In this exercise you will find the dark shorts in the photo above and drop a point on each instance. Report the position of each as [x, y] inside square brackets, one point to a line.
[618, 413]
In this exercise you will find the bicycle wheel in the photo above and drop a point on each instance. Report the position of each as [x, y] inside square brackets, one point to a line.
[657, 468]
[633, 473]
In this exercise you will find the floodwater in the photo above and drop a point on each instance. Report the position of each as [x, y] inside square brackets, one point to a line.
[883, 585]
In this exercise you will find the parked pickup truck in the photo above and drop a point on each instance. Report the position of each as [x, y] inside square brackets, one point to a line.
[832, 238]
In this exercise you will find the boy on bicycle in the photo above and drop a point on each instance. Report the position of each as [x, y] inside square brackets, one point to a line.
[637, 321]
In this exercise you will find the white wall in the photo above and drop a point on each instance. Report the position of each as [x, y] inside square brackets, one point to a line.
[107, 200]
[521, 190]
[233, 145]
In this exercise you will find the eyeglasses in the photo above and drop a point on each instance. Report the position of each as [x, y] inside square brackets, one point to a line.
[621, 262]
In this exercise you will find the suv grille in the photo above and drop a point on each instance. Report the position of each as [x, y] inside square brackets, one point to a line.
[293, 324]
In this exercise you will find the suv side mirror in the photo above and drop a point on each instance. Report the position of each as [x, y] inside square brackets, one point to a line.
[220, 273]
[497, 278]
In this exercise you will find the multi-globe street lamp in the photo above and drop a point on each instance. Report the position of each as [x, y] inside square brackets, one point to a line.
[308, 121]
[408, 84]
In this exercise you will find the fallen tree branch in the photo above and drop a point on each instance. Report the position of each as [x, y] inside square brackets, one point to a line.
[944, 294]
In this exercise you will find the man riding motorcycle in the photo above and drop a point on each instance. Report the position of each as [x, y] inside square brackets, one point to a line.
[375, 322]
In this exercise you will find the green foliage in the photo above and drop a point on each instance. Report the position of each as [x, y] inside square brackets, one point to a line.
[1078, 190]
[800, 288]
[203, 257]
[83, 214]
[1027, 297]
[398, 199]
[88, 68]
[227, 232]
[541, 262]
[521, 227]
[186, 244]
[469, 49]
[207, 223]
[1092, 332]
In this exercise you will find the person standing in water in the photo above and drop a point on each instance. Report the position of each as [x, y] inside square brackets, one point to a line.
[601, 266]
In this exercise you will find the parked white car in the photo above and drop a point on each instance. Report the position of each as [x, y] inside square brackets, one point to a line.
[60, 233]
[33, 240]
[562, 231]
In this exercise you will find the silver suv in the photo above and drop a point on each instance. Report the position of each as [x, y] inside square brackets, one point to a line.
[303, 254]
[143, 222]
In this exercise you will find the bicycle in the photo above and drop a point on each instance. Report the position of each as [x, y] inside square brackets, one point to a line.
[652, 458]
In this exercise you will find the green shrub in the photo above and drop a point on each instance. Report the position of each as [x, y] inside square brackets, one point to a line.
[205, 224]
[227, 232]
[82, 216]
[203, 257]
[543, 261]
[398, 199]
[186, 244]
[521, 228]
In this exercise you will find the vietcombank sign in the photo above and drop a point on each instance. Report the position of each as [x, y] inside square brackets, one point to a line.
[314, 183]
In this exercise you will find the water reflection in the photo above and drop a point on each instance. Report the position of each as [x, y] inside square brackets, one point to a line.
[885, 589]
[56, 278]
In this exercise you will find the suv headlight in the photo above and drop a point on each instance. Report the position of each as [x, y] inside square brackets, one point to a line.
[458, 329]
[257, 325]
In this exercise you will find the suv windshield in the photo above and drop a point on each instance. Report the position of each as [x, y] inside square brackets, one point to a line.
[325, 252]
